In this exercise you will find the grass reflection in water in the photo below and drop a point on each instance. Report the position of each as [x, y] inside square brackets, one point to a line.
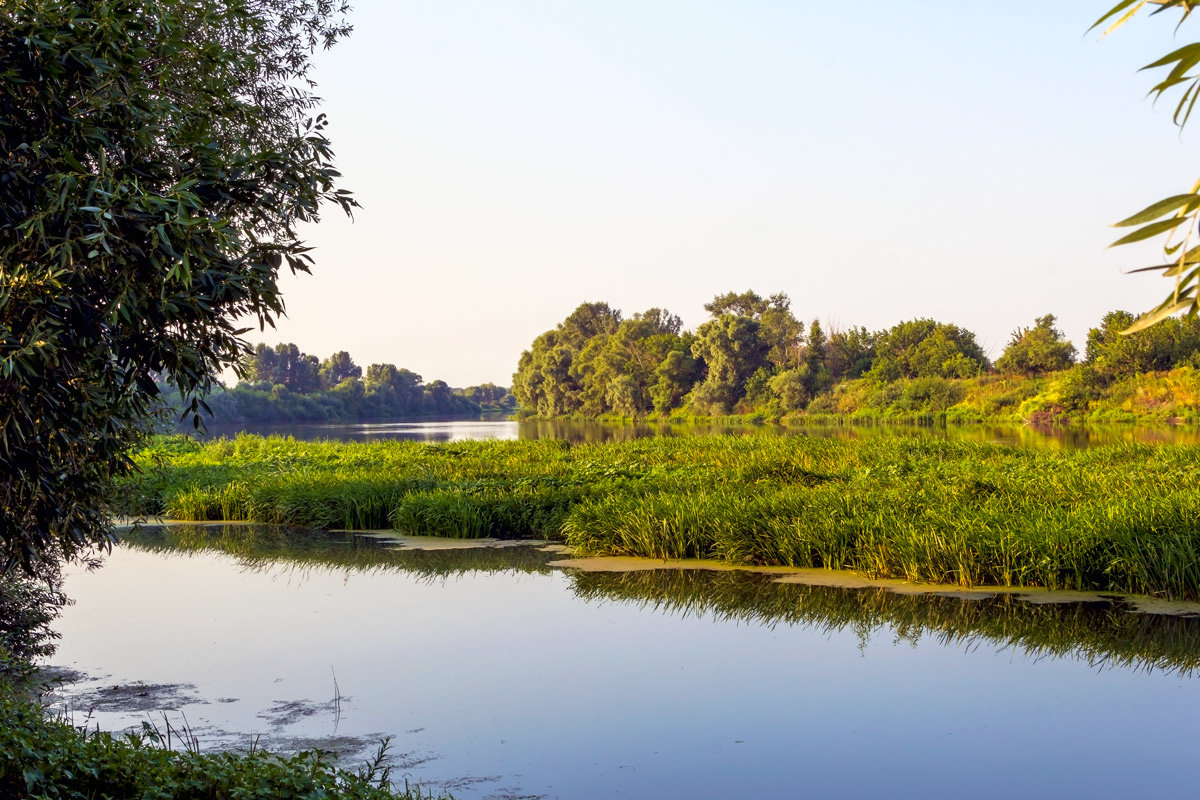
[1104, 634]
[267, 547]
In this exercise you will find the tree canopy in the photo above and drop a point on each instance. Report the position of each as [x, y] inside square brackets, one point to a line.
[158, 158]
[755, 357]
[1037, 350]
[924, 348]
[752, 354]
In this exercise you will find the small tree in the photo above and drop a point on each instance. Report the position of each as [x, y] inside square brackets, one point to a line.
[923, 348]
[1037, 350]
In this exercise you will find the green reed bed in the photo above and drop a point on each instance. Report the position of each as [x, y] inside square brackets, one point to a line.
[1121, 518]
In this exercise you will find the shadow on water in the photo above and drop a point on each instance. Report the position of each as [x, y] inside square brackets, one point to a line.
[1104, 634]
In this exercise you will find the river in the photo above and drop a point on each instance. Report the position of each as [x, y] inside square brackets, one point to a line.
[580, 431]
[497, 675]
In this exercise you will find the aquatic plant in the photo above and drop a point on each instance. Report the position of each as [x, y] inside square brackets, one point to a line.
[47, 758]
[1114, 518]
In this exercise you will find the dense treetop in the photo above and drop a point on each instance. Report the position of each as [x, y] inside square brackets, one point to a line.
[754, 355]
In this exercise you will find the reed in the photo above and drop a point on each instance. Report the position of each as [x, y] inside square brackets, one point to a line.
[1122, 518]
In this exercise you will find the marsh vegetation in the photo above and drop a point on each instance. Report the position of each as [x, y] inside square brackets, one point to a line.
[1115, 518]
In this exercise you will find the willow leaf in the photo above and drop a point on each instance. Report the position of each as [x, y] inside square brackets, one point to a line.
[1153, 229]
[1182, 114]
[1117, 9]
[1158, 315]
[1177, 54]
[1156, 210]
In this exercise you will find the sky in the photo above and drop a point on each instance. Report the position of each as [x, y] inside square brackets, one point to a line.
[877, 161]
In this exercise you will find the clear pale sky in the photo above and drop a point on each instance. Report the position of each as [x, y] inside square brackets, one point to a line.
[877, 161]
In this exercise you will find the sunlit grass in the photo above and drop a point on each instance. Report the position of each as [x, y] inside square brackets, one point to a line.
[1116, 518]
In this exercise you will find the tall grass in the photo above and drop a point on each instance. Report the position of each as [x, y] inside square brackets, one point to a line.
[1119, 518]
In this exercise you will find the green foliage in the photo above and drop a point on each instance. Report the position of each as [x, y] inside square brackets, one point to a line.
[674, 378]
[1109, 518]
[754, 359]
[1114, 353]
[746, 304]
[1178, 215]
[28, 606]
[930, 394]
[284, 366]
[732, 351]
[159, 158]
[792, 389]
[42, 758]
[1037, 350]
[923, 348]
[850, 353]
[596, 363]
[337, 368]
[286, 385]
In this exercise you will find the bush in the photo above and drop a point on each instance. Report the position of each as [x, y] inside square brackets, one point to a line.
[28, 605]
[49, 759]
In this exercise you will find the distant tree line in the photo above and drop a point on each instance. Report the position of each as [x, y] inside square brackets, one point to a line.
[284, 384]
[753, 354]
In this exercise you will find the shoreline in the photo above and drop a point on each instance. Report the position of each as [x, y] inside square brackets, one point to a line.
[808, 576]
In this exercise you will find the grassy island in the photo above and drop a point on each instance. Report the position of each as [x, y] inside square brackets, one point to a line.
[1119, 518]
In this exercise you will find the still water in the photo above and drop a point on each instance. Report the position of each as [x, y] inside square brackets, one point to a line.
[577, 431]
[499, 676]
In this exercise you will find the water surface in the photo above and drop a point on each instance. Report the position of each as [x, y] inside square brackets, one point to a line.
[580, 431]
[498, 676]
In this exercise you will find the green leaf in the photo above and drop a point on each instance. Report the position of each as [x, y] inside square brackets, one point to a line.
[1153, 229]
[1179, 54]
[1158, 315]
[1156, 210]
[1117, 9]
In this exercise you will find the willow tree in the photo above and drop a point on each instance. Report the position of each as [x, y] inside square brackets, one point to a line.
[1175, 217]
[157, 160]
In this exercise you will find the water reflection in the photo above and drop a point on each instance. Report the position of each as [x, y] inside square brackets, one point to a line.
[581, 431]
[417, 430]
[1104, 634]
[268, 548]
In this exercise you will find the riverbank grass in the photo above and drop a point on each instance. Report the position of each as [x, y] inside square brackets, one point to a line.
[1121, 518]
